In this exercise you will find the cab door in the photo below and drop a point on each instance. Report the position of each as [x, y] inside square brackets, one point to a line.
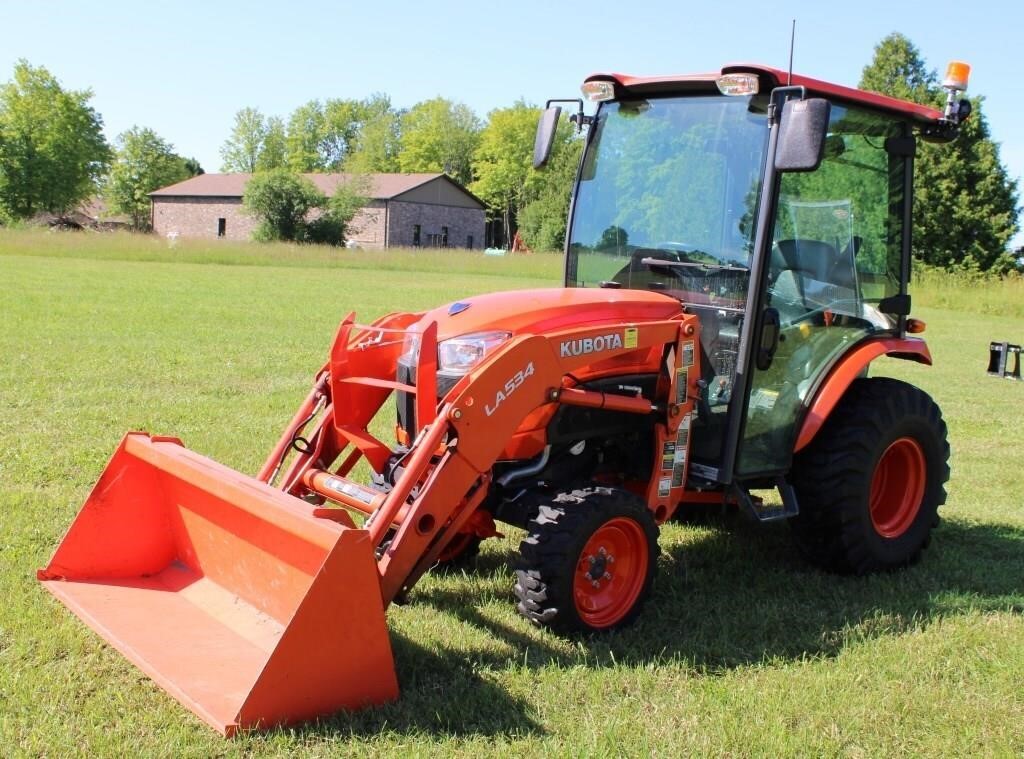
[836, 258]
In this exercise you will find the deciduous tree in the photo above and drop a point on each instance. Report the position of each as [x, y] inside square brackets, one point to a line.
[281, 200]
[305, 129]
[274, 154]
[378, 140]
[503, 162]
[241, 151]
[542, 221]
[143, 162]
[333, 226]
[439, 135]
[52, 149]
[193, 167]
[340, 131]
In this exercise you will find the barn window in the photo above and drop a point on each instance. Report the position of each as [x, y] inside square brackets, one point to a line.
[415, 235]
[469, 241]
[444, 237]
[222, 227]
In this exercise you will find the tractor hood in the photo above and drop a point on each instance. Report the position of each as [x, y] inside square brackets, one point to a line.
[548, 310]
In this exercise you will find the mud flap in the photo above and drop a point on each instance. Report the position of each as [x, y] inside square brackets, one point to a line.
[239, 603]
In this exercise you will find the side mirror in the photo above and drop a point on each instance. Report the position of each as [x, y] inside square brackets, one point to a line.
[545, 135]
[802, 131]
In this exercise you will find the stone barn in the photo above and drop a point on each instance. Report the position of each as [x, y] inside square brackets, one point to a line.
[412, 210]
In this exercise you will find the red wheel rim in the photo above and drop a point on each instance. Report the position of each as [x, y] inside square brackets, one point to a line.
[897, 487]
[611, 572]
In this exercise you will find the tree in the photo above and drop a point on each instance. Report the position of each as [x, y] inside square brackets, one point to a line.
[193, 167]
[965, 204]
[503, 163]
[898, 70]
[439, 135]
[543, 220]
[274, 151]
[342, 122]
[305, 128]
[281, 200]
[52, 149]
[378, 140]
[241, 151]
[332, 227]
[144, 162]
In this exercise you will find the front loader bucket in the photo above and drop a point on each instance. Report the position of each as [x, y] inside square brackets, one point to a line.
[228, 593]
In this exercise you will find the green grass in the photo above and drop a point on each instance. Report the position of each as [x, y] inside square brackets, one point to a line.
[970, 291]
[742, 650]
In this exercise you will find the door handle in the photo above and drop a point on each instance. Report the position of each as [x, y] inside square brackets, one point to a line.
[771, 326]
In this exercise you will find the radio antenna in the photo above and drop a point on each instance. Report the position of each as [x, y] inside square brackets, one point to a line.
[792, 41]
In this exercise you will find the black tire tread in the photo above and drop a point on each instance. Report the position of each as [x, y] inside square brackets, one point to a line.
[555, 537]
[832, 477]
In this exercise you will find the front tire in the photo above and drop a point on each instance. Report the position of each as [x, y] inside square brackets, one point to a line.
[870, 484]
[588, 561]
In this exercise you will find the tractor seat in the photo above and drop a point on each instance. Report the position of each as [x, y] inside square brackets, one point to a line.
[809, 274]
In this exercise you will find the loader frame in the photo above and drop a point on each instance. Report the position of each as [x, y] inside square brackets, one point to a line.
[448, 468]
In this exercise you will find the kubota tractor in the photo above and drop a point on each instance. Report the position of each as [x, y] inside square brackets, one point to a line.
[738, 253]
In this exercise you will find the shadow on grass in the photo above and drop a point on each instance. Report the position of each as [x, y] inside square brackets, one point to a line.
[440, 695]
[736, 594]
[740, 594]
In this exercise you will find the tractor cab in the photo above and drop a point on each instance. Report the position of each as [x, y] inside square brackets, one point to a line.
[778, 213]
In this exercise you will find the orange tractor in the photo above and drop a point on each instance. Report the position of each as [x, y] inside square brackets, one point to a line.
[737, 254]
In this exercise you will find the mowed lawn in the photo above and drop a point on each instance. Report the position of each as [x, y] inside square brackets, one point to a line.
[743, 649]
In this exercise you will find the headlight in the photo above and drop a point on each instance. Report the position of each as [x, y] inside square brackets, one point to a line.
[460, 354]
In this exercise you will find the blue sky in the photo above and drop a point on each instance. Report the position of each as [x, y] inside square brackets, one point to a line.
[184, 68]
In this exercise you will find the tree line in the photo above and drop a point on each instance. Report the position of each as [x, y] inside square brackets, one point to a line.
[53, 155]
[491, 158]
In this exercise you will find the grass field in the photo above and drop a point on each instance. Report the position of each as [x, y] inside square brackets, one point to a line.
[742, 650]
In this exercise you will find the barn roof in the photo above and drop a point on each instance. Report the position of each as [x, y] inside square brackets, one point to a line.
[381, 186]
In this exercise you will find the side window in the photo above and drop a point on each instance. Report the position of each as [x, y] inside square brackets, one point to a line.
[839, 229]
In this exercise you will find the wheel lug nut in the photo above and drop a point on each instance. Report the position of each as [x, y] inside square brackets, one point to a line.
[607, 575]
[596, 584]
[610, 559]
[601, 551]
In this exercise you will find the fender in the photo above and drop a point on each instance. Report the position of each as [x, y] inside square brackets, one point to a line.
[847, 370]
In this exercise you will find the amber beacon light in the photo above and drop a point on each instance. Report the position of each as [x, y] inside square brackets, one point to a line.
[957, 74]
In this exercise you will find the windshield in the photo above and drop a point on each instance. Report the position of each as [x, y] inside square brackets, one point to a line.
[667, 196]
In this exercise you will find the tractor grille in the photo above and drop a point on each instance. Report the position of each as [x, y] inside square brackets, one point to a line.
[406, 402]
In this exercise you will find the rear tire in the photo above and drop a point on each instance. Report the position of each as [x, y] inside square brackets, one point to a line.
[588, 561]
[870, 484]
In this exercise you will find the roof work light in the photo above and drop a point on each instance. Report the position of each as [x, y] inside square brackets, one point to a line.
[738, 84]
[598, 91]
